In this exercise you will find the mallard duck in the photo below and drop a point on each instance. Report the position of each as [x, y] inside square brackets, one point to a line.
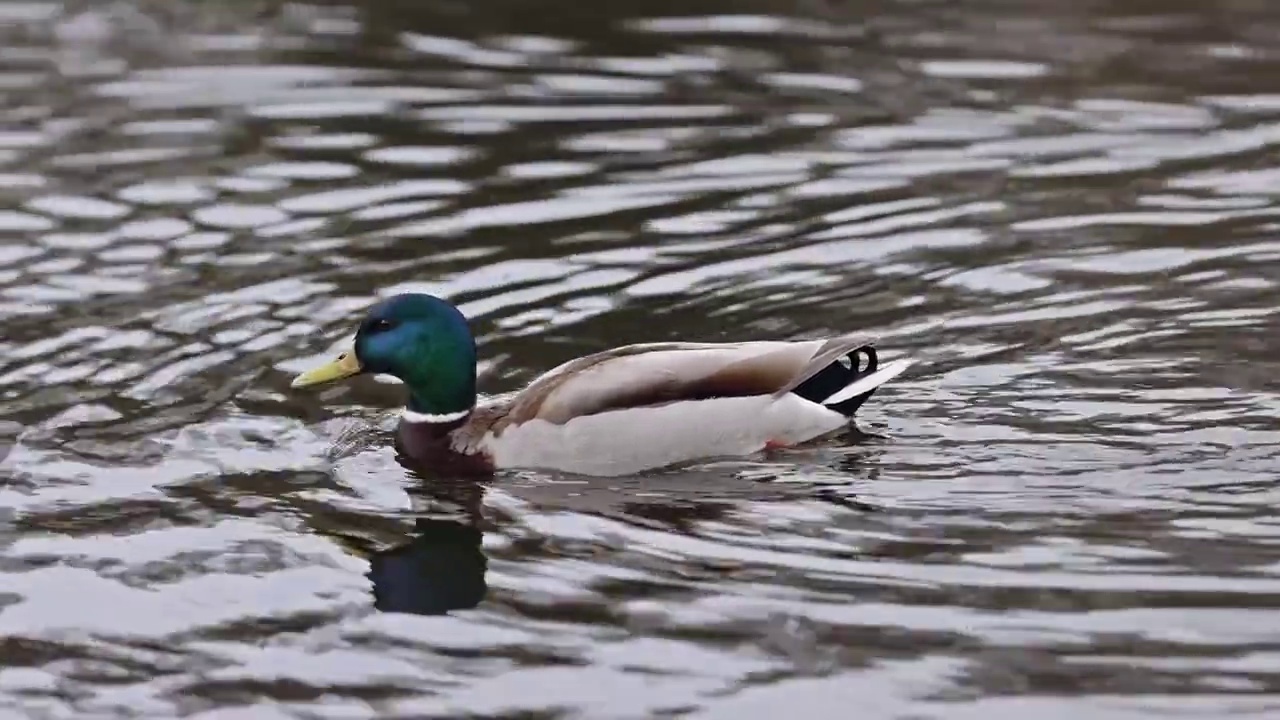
[619, 411]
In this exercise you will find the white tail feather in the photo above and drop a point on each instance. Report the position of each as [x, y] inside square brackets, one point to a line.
[870, 382]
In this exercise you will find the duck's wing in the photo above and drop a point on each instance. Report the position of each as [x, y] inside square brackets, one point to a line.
[654, 374]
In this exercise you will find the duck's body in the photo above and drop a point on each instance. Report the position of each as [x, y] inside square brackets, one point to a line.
[616, 412]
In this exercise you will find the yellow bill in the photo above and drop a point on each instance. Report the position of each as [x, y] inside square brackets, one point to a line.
[344, 367]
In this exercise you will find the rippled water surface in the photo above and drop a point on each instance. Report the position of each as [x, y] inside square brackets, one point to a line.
[1067, 211]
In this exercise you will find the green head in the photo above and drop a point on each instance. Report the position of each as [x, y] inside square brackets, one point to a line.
[420, 339]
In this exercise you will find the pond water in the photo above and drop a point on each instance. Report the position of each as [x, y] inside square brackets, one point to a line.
[1065, 211]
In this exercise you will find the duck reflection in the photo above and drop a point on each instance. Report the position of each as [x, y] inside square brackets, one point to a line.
[441, 567]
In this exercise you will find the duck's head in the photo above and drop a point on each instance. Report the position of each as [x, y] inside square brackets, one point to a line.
[420, 339]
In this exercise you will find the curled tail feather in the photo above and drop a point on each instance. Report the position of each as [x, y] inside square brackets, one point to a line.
[848, 380]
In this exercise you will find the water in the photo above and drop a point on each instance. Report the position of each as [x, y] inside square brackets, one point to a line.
[1066, 211]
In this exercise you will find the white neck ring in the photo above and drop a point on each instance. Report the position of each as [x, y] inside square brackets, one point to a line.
[410, 416]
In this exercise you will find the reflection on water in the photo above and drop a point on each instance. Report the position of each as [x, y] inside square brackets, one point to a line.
[441, 567]
[1067, 211]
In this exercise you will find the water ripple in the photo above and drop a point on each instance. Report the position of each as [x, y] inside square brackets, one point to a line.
[1063, 211]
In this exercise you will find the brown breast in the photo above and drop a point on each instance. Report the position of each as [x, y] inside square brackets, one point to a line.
[432, 448]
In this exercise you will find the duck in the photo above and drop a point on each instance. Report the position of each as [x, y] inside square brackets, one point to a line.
[615, 412]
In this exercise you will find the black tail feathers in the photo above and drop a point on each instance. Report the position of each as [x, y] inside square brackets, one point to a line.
[838, 375]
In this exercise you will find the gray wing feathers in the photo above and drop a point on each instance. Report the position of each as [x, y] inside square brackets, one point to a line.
[653, 374]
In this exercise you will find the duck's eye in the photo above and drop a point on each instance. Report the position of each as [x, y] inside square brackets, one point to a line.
[381, 325]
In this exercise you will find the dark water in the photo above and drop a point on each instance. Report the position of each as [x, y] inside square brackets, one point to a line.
[1066, 210]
